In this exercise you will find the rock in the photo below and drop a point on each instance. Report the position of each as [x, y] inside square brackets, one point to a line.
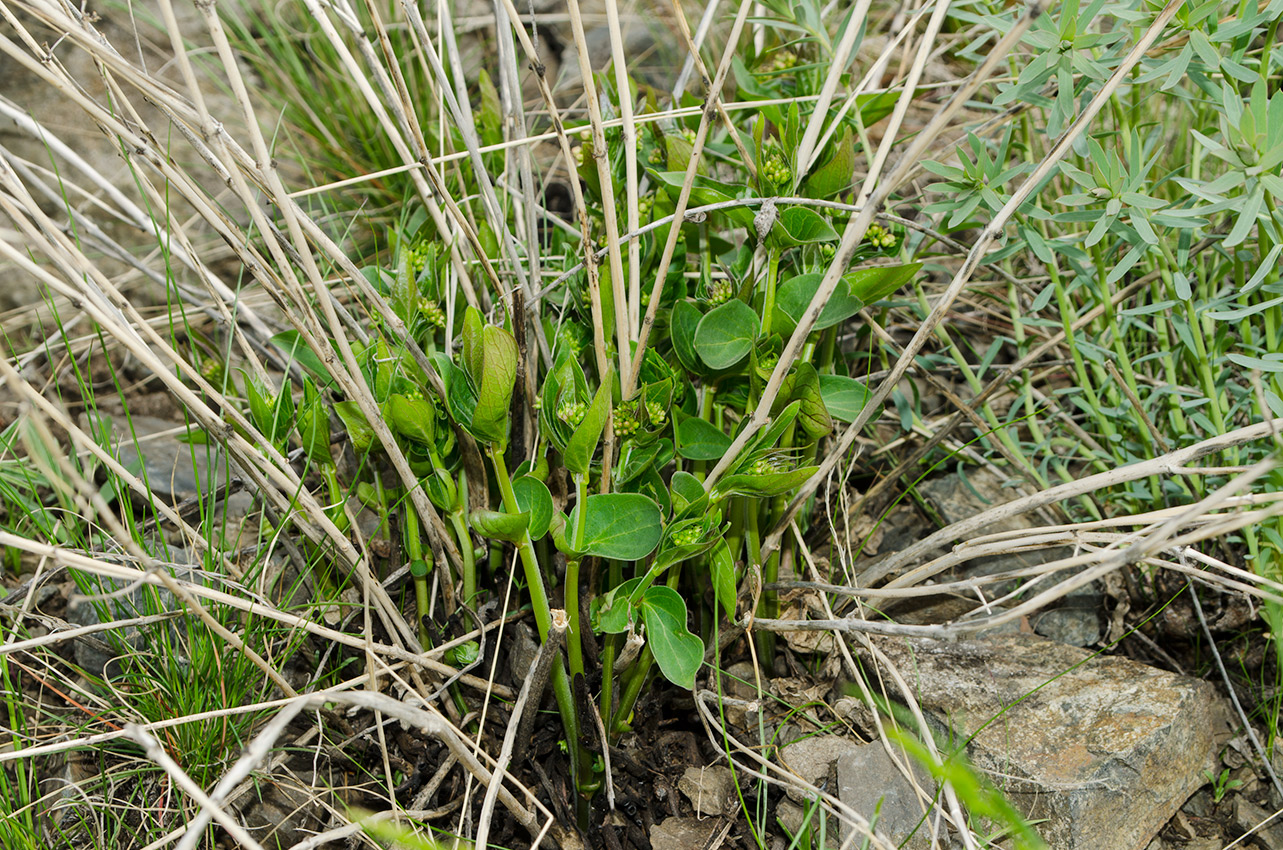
[868, 779]
[106, 600]
[813, 760]
[1102, 750]
[638, 40]
[682, 833]
[1264, 829]
[1076, 618]
[174, 468]
[279, 812]
[711, 790]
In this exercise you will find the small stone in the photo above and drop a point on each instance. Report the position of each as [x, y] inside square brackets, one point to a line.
[711, 790]
[159, 453]
[869, 782]
[812, 760]
[682, 833]
[1251, 818]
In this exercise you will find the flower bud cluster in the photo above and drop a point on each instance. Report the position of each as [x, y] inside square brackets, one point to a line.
[879, 236]
[572, 412]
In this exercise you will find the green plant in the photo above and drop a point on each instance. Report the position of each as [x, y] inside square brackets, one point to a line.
[1221, 783]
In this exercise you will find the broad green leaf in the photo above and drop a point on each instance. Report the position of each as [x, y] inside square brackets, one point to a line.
[678, 653]
[687, 538]
[801, 226]
[473, 328]
[461, 399]
[803, 386]
[405, 294]
[726, 334]
[273, 416]
[499, 525]
[497, 359]
[583, 442]
[619, 526]
[795, 294]
[837, 172]
[875, 283]
[358, 429]
[683, 322]
[706, 191]
[534, 499]
[412, 418]
[844, 397]
[441, 489]
[700, 440]
[635, 458]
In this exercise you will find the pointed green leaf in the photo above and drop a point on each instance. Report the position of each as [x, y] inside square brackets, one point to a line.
[412, 418]
[582, 444]
[358, 429]
[875, 283]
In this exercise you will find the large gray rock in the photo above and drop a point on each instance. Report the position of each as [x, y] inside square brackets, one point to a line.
[1101, 750]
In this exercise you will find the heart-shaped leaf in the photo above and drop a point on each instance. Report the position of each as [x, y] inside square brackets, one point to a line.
[678, 653]
[726, 334]
[843, 397]
[618, 526]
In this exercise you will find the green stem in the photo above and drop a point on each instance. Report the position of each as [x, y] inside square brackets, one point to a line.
[460, 526]
[637, 676]
[543, 616]
[772, 275]
[419, 569]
